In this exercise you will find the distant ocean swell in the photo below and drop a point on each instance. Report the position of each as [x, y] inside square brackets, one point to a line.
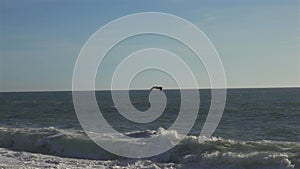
[211, 152]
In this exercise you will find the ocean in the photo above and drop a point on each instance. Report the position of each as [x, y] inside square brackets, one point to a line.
[259, 129]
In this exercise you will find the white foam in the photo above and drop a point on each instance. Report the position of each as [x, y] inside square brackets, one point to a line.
[210, 152]
[13, 159]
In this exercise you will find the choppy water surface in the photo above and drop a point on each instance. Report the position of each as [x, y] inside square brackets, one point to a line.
[259, 129]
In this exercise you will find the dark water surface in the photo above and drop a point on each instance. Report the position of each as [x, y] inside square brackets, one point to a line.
[259, 125]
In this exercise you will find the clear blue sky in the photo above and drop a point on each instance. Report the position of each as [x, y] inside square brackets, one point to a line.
[258, 40]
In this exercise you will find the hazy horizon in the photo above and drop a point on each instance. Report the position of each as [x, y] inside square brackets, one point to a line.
[145, 89]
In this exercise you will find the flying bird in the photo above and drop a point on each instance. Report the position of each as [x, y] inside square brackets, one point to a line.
[157, 87]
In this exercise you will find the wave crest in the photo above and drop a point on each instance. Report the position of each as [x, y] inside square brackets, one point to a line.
[192, 150]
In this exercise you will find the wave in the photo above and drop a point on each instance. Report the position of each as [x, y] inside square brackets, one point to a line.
[191, 151]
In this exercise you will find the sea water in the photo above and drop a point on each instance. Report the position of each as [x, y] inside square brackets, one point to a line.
[259, 129]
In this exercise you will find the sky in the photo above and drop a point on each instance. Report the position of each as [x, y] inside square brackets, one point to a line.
[258, 41]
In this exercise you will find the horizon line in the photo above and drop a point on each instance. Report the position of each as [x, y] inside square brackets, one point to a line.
[140, 89]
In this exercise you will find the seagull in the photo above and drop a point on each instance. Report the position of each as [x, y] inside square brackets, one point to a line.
[157, 87]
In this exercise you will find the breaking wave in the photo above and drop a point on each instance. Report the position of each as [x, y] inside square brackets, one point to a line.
[192, 151]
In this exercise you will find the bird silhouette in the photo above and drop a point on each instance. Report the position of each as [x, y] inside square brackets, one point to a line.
[157, 87]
